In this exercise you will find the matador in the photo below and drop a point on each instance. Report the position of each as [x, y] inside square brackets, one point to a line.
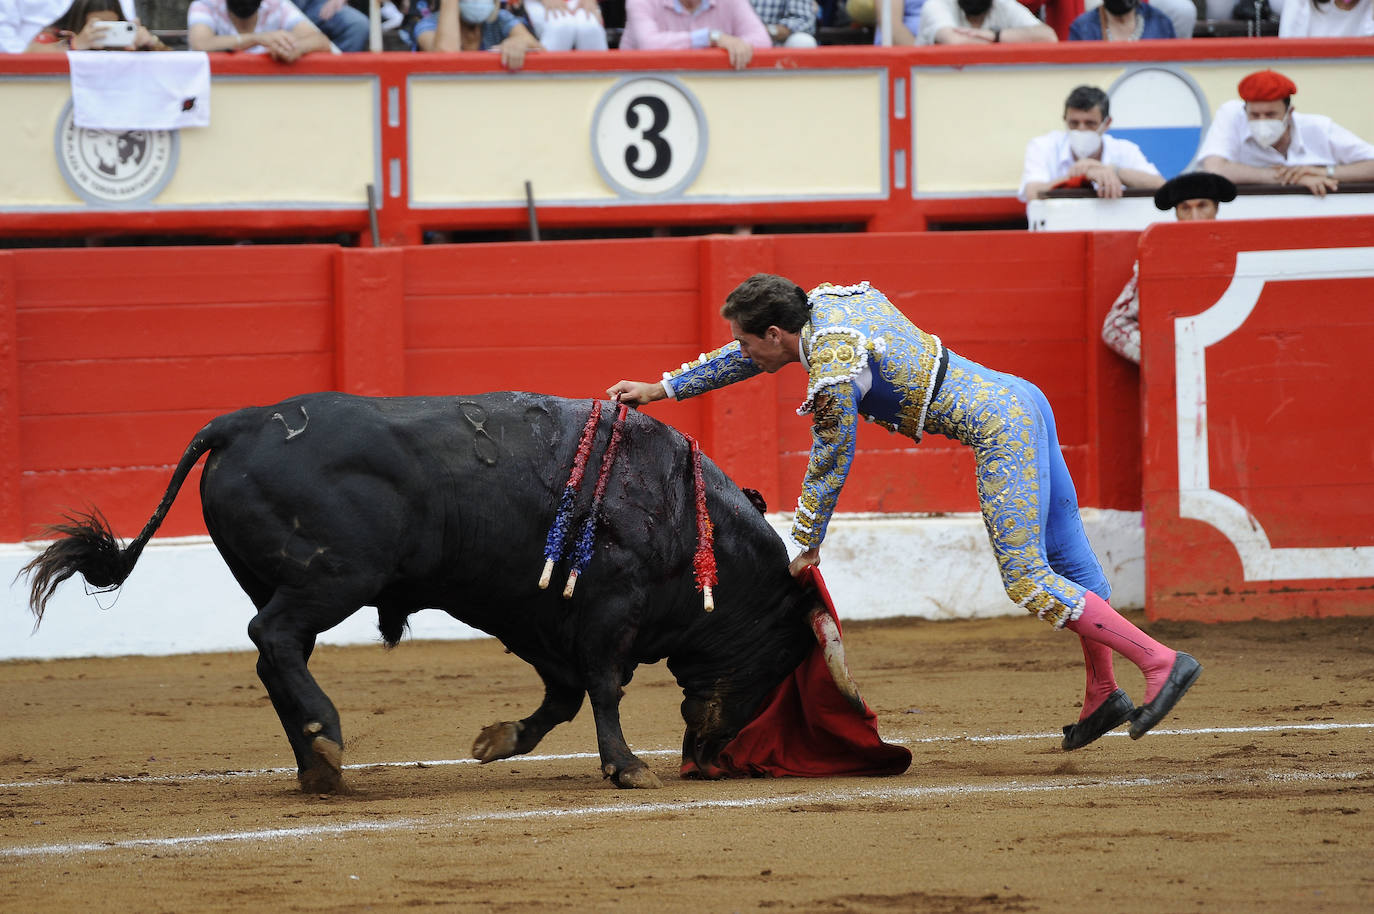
[864, 358]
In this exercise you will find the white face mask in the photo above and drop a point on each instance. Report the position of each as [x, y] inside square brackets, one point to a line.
[1267, 132]
[1085, 143]
[475, 12]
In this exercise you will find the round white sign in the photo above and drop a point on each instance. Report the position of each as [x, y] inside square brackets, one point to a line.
[1161, 109]
[649, 137]
[114, 167]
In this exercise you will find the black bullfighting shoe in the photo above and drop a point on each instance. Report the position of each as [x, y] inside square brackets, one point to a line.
[1182, 675]
[1112, 713]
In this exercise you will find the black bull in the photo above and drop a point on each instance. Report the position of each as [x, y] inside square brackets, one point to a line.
[327, 502]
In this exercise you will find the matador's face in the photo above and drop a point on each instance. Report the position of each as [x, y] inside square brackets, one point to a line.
[769, 351]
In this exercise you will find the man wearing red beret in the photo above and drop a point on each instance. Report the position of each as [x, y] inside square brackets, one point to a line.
[1261, 139]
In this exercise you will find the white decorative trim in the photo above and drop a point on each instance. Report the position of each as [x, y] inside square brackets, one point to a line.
[826, 288]
[862, 345]
[930, 388]
[1197, 500]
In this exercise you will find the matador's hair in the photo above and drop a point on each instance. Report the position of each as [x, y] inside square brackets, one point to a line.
[764, 300]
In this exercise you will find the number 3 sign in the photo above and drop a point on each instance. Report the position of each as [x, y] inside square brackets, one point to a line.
[649, 137]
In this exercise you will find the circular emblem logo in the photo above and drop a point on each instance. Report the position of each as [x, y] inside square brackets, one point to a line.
[114, 167]
[1162, 110]
[649, 137]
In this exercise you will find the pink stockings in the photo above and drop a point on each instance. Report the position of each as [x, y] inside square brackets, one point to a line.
[1097, 659]
[1102, 630]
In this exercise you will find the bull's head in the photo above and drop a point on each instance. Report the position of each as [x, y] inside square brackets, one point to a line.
[715, 716]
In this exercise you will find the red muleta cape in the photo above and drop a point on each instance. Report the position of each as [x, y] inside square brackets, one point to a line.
[806, 728]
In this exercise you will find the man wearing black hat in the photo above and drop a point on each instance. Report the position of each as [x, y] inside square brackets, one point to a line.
[1192, 195]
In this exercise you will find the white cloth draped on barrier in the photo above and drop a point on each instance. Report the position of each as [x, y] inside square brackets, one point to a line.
[114, 90]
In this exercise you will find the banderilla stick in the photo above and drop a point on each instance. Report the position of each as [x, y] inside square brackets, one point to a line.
[583, 554]
[562, 520]
[704, 562]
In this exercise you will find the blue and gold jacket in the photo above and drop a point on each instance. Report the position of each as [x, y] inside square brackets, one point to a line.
[863, 358]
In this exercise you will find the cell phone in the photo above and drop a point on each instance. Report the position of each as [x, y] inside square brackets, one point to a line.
[115, 35]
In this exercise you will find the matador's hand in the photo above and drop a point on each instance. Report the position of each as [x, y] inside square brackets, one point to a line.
[805, 560]
[635, 393]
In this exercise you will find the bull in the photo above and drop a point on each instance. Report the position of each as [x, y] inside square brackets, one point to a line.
[327, 502]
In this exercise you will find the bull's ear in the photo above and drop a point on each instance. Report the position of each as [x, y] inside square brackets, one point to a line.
[756, 500]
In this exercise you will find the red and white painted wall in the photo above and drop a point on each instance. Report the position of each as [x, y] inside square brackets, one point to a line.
[1259, 461]
[103, 384]
[1257, 471]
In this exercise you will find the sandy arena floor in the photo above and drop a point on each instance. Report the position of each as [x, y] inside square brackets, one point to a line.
[158, 784]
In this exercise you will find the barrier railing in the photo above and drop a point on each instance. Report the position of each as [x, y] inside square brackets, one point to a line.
[857, 137]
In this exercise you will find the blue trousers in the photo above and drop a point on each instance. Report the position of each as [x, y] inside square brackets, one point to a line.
[1029, 504]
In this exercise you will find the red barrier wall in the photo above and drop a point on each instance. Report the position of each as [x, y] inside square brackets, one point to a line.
[111, 359]
[1259, 459]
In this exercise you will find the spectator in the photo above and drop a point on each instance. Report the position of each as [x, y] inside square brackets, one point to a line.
[1192, 195]
[412, 12]
[566, 25]
[1261, 139]
[22, 20]
[790, 23]
[731, 25]
[273, 27]
[342, 24]
[1121, 20]
[1326, 19]
[477, 25]
[82, 28]
[1182, 14]
[1083, 153]
[979, 22]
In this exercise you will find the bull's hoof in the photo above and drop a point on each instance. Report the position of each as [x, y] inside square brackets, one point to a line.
[497, 741]
[326, 775]
[638, 778]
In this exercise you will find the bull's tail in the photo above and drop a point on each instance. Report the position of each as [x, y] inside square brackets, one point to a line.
[86, 545]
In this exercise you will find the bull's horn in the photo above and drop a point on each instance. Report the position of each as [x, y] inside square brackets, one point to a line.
[828, 636]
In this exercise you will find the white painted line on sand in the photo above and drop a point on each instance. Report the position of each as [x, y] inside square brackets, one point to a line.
[851, 795]
[570, 756]
[1190, 731]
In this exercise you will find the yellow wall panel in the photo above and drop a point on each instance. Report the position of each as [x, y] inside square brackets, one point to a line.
[304, 141]
[477, 140]
[973, 124]
[277, 141]
[29, 174]
[792, 134]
